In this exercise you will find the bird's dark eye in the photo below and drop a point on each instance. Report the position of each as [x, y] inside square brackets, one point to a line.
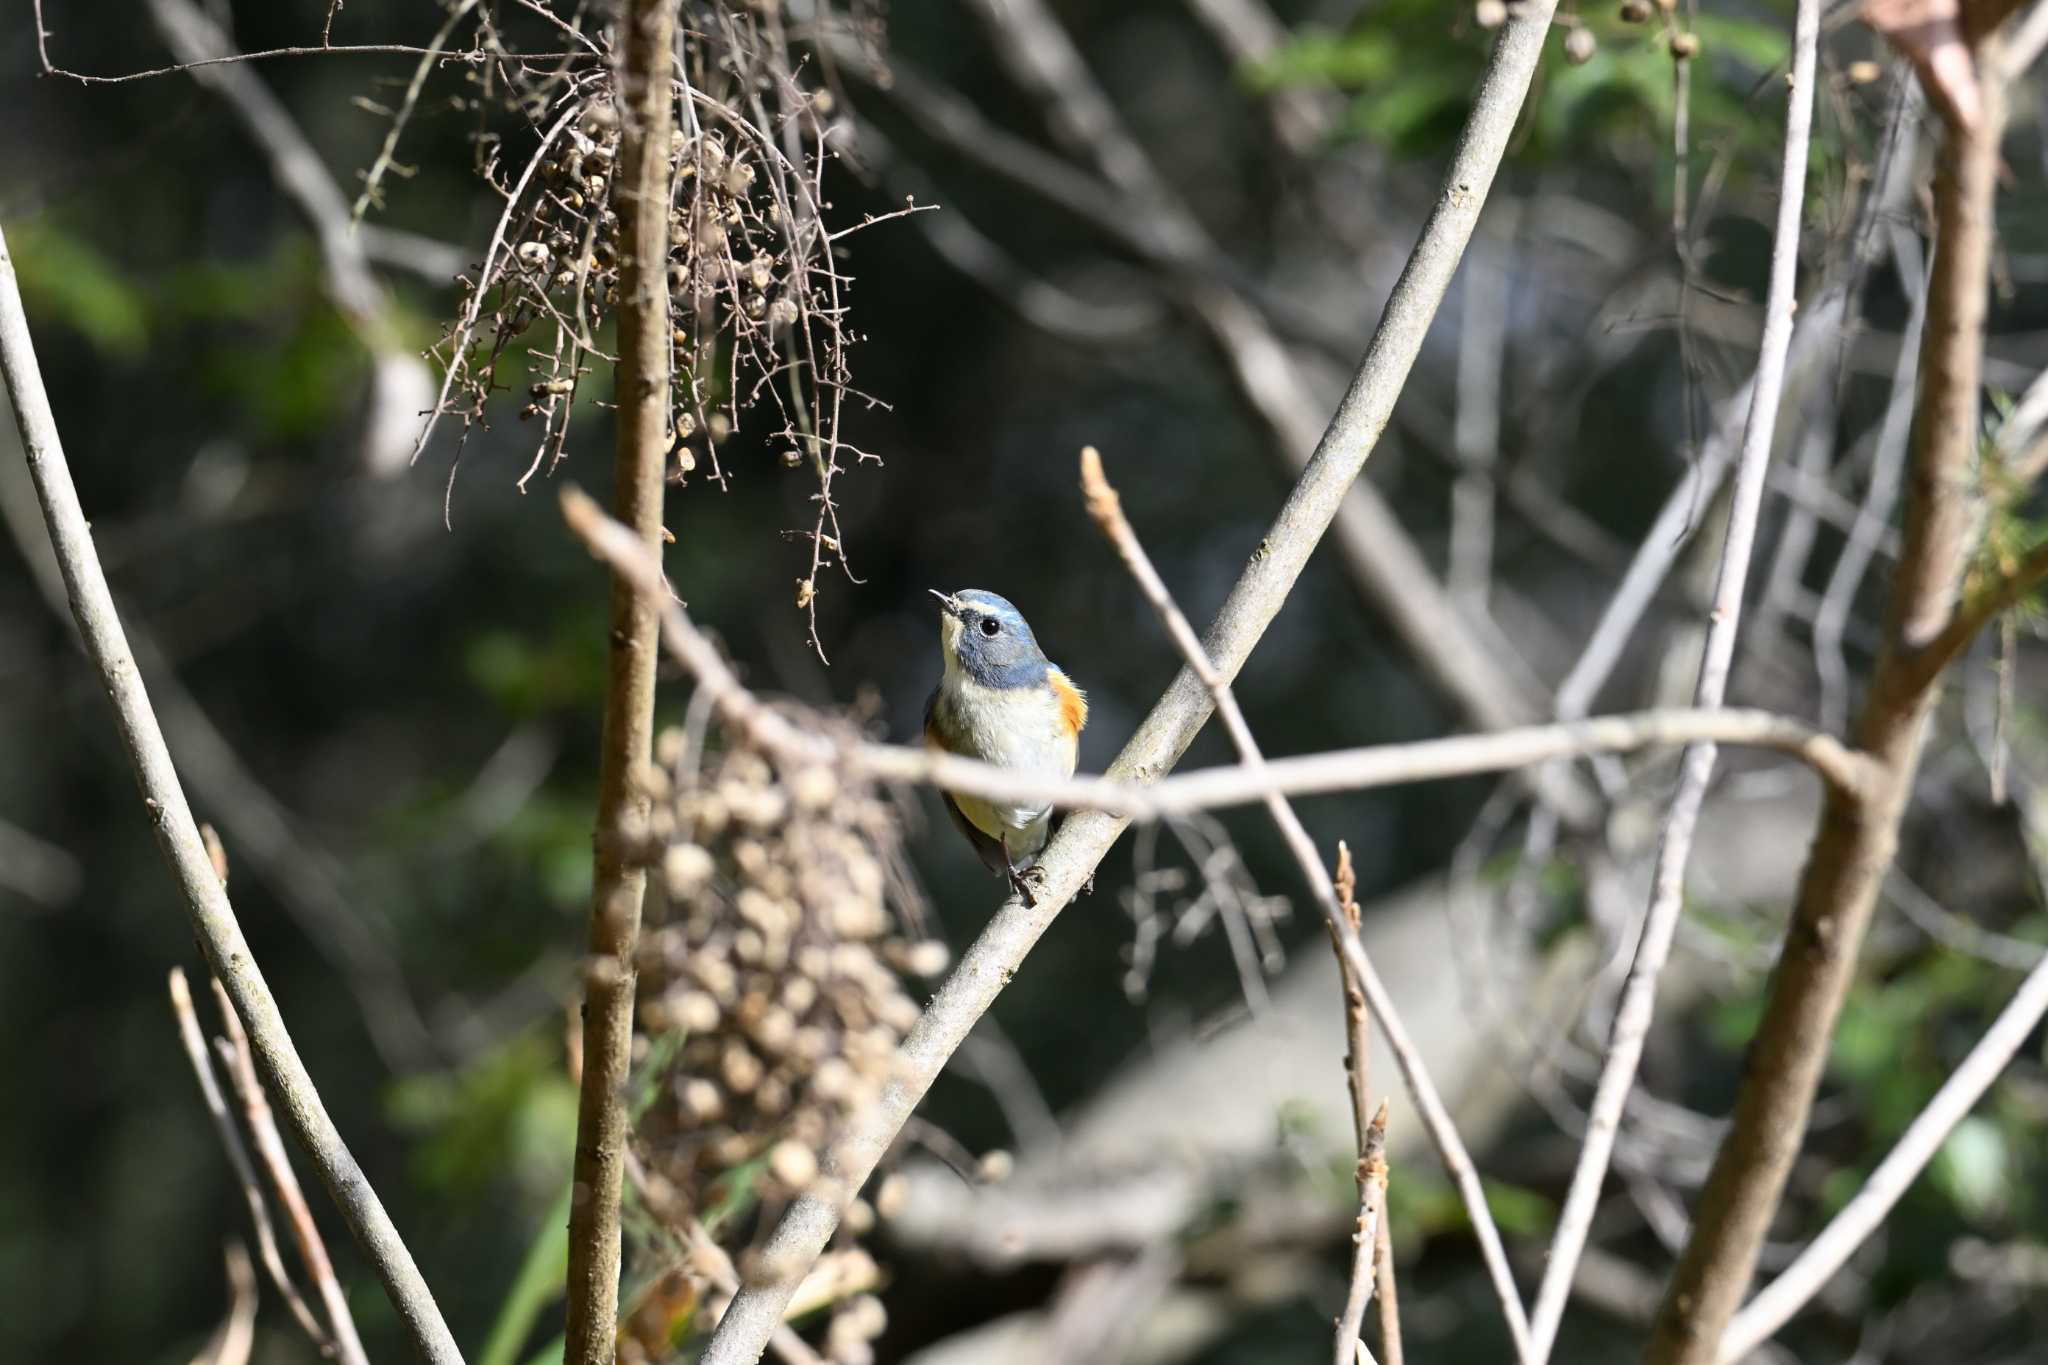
[991, 627]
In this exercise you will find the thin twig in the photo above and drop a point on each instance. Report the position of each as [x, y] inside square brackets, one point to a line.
[1810, 1271]
[1358, 1078]
[1365, 1237]
[1858, 835]
[1638, 1004]
[238, 1157]
[387, 153]
[1387, 1295]
[1339, 770]
[1107, 510]
[240, 1066]
[213, 919]
[640, 195]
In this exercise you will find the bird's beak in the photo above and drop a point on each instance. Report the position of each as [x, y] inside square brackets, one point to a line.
[946, 603]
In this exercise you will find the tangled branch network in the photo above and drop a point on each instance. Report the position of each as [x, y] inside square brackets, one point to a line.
[757, 292]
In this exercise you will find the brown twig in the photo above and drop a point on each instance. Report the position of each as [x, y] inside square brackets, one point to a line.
[640, 196]
[1372, 1264]
[240, 1065]
[1366, 1126]
[1387, 1296]
[163, 797]
[1858, 834]
[190, 1035]
[1107, 510]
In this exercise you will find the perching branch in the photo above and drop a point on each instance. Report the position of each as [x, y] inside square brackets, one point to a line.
[1631, 1028]
[640, 196]
[1136, 205]
[213, 920]
[1072, 856]
[1858, 833]
[1337, 770]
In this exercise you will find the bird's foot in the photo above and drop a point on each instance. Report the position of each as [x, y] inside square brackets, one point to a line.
[1021, 883]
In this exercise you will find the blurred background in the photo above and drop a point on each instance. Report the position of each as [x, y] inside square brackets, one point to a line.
[381, 679]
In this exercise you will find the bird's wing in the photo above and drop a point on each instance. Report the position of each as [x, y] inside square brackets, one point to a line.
[990, 852]
[986, 848]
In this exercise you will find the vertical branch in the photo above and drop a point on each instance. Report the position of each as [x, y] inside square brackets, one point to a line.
[640, 195]
[1357, 1076]
[1667, 897]
[1859, 831]
[177, 834]
[1386, 1295]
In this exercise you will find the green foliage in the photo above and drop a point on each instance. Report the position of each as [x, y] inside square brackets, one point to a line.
[1425, 1203]
[281, 355]
[1897, 1041]
[527, 675]
[65, 279]
[1410, 71]
[1975, 1167]
[511, 1112]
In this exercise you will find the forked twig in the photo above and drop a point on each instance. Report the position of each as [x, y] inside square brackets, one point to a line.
[240, 1065]
[190, 1034]
[1106, 508]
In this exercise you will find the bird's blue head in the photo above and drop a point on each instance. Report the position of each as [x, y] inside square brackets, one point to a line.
[988, 640]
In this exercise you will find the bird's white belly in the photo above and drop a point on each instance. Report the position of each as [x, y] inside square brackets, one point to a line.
[1015, 728]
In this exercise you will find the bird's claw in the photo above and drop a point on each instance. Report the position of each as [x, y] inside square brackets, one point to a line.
[1020, 882]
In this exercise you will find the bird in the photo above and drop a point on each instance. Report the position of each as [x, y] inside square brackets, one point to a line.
[1002, 701]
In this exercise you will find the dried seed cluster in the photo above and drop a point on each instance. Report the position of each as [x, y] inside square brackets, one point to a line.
[758, 299]
[773, 954]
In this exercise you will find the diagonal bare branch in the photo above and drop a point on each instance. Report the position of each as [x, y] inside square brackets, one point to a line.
[163, 798]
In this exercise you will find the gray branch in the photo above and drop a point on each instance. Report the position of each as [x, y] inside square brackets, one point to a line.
[163, 799]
